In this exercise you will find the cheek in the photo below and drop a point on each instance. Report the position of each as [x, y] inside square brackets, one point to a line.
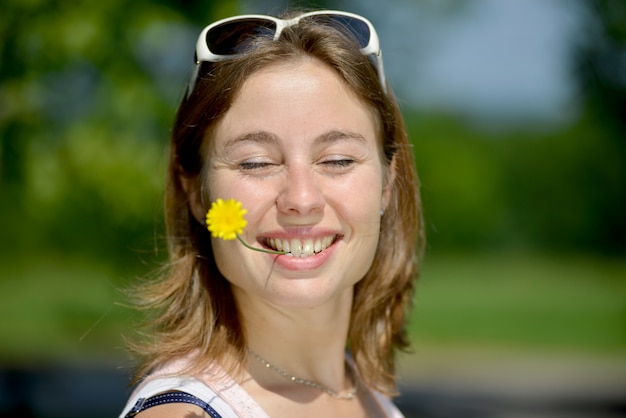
[360, 206]
[228, 260]
[364, 192]
[227, 185]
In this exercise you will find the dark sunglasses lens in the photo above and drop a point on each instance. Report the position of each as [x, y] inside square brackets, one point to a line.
[353, 27]
[231, 37]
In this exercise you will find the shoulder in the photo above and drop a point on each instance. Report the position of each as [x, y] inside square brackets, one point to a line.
[175, 396]
[388, 407]
[212, 387]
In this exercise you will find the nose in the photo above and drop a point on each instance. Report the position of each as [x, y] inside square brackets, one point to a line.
[300, 194]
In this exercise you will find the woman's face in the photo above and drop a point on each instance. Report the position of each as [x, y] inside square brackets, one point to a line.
[301, 152]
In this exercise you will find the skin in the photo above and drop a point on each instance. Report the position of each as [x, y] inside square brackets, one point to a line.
[301, 152]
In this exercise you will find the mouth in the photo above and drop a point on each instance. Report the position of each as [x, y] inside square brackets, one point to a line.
[300, 247]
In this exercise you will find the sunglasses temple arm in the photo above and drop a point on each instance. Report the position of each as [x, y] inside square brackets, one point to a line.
[381, 71]
[192, 80]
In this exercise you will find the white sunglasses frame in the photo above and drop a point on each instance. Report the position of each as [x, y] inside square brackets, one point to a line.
[203, 54]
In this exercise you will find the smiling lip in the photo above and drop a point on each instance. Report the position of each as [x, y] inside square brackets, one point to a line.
[300, 247]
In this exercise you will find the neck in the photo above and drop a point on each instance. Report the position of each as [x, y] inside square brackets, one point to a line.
[347, 395]
[306, 342]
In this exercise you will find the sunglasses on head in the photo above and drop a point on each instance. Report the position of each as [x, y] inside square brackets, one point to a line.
[228, 38]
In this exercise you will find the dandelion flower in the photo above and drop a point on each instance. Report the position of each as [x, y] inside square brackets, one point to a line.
[226, 219]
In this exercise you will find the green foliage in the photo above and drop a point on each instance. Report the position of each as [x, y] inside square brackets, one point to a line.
[460, 173]
[567, 190]
[87, 95]
[555, 190]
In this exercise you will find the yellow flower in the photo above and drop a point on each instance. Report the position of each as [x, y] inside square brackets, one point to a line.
[225, 219]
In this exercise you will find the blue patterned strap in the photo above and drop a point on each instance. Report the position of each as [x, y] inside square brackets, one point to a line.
[171, 397]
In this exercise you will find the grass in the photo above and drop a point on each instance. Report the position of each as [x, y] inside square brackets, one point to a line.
[515, 299]
[60, 308]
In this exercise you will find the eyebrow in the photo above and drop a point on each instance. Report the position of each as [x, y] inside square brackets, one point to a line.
[335, 135]
[259, 136]
[267, 137]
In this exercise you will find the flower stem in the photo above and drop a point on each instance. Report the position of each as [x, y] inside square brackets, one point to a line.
[261, 250]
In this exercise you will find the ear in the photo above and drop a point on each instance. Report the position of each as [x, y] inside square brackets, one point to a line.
[195, 200]
[389, 180]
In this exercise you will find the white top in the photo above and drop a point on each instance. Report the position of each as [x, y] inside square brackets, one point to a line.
[219, 390]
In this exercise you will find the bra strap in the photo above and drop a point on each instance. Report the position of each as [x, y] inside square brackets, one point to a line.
[171, 397]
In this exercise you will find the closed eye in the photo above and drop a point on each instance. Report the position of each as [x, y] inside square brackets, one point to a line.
[254, 165]
[339, 163]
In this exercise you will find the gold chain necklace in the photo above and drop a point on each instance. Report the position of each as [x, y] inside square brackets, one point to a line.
[349, 395]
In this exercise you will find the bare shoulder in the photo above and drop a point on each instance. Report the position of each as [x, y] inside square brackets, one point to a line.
[173, 410]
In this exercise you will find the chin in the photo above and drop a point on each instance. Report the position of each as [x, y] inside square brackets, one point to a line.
[309, 294]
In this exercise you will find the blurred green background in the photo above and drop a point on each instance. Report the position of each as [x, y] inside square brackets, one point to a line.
[525, 212]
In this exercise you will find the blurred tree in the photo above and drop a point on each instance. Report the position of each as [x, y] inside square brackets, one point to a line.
[601, 66]
[601, 63]
[573, 196]
[87, 93]
[557, 189]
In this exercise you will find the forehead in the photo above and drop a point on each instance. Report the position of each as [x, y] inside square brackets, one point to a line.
[296, 99]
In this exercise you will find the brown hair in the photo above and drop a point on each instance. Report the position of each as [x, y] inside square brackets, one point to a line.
[194, 309]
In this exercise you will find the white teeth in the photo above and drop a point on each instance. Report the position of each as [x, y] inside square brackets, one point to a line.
[296, 247]
[307, 247]
[300, 248]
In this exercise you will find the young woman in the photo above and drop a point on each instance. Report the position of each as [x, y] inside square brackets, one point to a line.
[291, 122]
